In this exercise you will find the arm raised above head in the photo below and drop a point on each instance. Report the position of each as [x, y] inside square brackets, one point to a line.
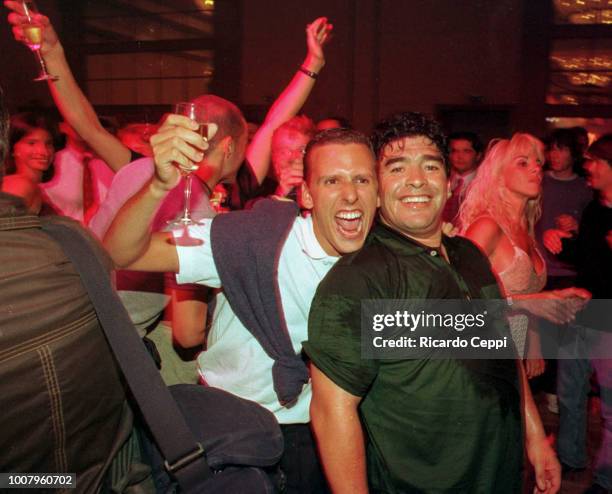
[74, 107]
[291, 100]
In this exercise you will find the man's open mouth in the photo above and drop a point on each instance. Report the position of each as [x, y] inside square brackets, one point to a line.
[349, 223]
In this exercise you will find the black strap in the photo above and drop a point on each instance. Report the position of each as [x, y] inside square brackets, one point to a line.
[185, 458]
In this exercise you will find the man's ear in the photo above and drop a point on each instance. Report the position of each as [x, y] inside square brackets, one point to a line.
[229, 146]
[449, 192]
[307, 202]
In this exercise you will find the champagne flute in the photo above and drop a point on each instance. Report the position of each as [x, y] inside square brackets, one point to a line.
[199, 114]
[33, 34]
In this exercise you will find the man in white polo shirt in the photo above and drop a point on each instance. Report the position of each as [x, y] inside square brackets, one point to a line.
[269, 262]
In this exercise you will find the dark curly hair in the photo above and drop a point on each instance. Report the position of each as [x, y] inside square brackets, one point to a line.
[409, 124]
[333, 136]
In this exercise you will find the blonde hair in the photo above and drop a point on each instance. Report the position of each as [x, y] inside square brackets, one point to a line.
[487, 193]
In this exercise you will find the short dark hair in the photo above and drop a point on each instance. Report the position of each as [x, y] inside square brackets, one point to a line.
[602, 149]
[472, 137]
[24, 123]
[568, 138]
[410, 124]
[226, 115]
[4, 130]
[333, 136]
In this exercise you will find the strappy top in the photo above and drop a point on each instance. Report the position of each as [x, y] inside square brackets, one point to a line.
[520, 276]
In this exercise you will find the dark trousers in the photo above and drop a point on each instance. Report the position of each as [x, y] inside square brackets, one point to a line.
[300, 462]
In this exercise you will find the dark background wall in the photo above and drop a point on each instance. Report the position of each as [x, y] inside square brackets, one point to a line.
[388, 55]
[477, 61]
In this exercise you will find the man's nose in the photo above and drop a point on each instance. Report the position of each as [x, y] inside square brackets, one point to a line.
[415, 176]
[349, 192]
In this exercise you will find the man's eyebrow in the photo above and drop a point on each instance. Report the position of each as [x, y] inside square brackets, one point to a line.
[422, 158]
[325, 177]
[394, 160]
[431, 157]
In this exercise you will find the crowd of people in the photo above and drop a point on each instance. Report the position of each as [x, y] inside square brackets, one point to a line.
[295, 225]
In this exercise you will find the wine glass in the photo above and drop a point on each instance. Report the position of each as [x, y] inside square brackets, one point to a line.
[33, 34]
[199, 114]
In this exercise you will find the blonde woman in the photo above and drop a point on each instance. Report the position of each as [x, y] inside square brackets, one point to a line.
[499, 213]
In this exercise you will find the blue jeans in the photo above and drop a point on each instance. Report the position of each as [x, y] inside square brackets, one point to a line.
[572, 388]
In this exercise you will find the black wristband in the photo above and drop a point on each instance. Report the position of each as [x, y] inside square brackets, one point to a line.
[314, 75]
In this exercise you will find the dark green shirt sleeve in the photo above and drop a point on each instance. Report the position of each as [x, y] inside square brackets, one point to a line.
[334, 330]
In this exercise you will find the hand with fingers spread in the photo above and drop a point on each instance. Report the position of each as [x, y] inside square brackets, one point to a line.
[317, 34]
[177, 145]
[18, 20]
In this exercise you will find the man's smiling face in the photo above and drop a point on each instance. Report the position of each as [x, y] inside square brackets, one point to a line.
[413, 188]
[341, 191]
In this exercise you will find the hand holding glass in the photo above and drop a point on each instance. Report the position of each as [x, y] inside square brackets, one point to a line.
[199, 114]
[33, 35]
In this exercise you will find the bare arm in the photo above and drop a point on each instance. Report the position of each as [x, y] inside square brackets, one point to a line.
[337, 428]
[539, 451]
[70, 100]
[189, 309]
[291, 100]
[534, 363]
[129, 240]
[557, 306]
[486, 234]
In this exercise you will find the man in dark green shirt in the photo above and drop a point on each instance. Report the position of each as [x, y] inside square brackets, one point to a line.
[430, 425]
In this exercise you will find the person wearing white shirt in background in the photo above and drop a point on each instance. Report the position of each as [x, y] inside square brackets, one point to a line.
[81, 180]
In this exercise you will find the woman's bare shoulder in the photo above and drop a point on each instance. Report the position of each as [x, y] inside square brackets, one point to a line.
[485, 232]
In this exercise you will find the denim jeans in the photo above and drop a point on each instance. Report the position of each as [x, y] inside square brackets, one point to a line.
[573, 388]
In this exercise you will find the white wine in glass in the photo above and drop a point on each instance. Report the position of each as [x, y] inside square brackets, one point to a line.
[199, 114]
[33, 34]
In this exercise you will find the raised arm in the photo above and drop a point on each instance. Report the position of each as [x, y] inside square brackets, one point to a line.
[291, 100]
[129, 239]
[70, 100]
[339, 436]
